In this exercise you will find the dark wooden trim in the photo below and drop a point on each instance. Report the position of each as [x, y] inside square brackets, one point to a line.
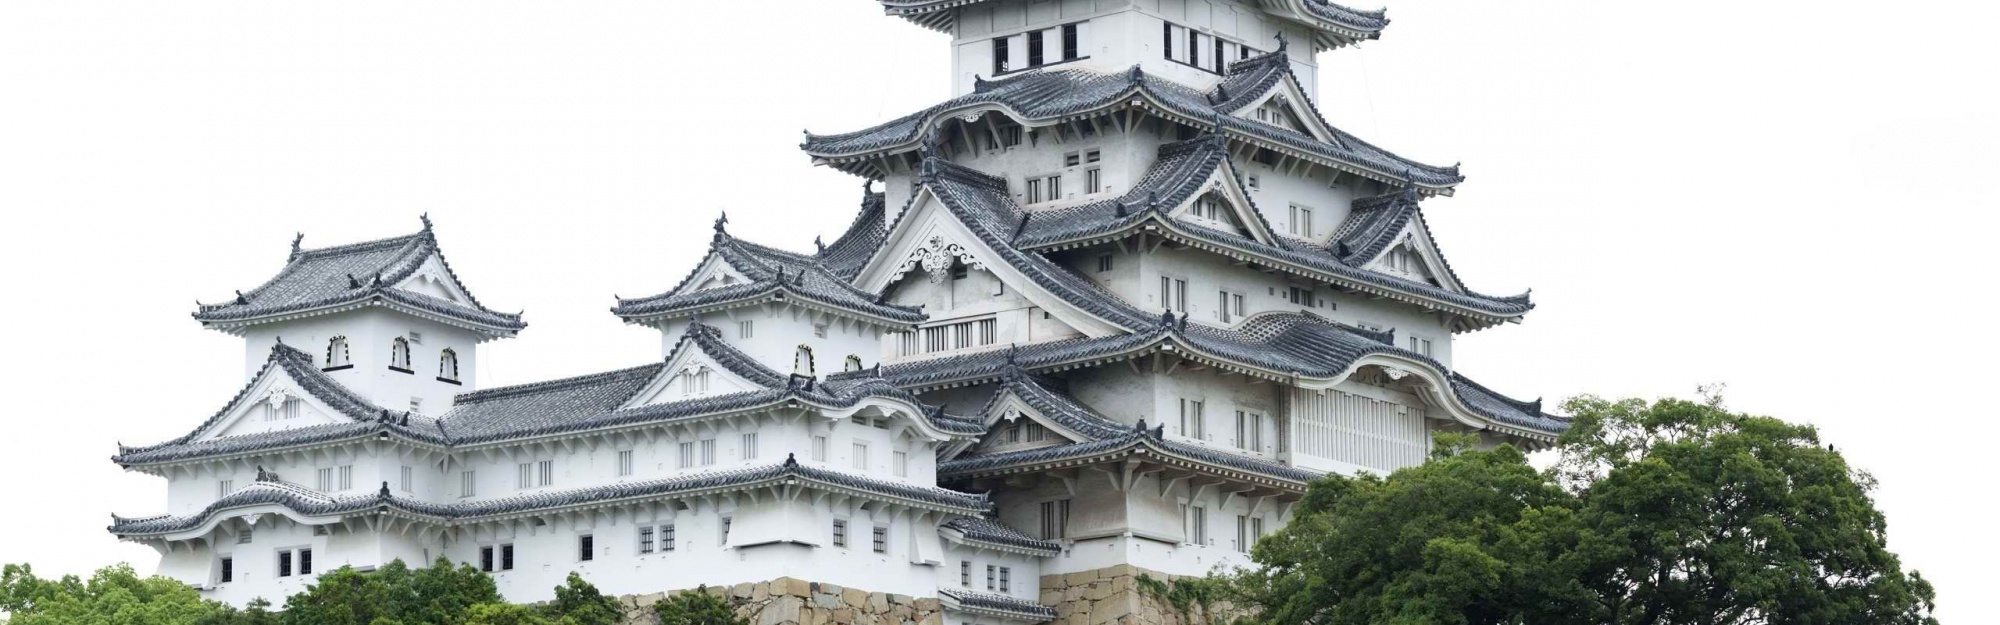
[345, 366]
[401, 370]
[450, 381]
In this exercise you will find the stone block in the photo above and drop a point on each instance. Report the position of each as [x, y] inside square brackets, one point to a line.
[878, 603]
[896, 599]
[794, 587]
[843, 616]
[741, 591]
[826, 601]
[781, 610]
[1073, 593]
[927, 605]
[1079, 579]
[647, 600]
[1098, 590]
[853, 598]
[831, 589]
[760, 592]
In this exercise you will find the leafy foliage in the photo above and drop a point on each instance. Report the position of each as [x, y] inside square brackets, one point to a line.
[698, 607]
[441, 594]
[1655, 513]
[114, 595]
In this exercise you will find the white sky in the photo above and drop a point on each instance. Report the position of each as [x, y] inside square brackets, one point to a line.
[1788, 197]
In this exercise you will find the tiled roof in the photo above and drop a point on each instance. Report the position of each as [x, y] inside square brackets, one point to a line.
[941, 15]
[846, 256]
[1180, 170]
[1105, 437]
[1048, 95]
[992, 531]
[1002, 604]
[357, 274]
[301, 367]
[311, 502]
[547, 408]
[772, 274]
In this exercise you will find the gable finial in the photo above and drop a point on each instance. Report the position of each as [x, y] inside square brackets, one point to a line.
[1140, 426]
[820, 244]
[1409, 184]
[240, 299]
[781, 274]
[799, 279]
[378, 278]
[1152, 199]
[384, 493]
[426, 218]
[1221, 93]
[1283, 42]
[296, 239]
[1013, 354]
[1183, 322]
[720, 221]
[791, 460]
[1138, 75]
[1167, 318]
[352, 282]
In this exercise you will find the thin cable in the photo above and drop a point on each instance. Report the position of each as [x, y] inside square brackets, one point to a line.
[1368, 92]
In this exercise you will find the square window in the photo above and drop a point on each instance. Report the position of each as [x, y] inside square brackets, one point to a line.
[646, 539]
[840, 532]
[1072, 159]
[586, 548]
[881, 539]
[1104, 263]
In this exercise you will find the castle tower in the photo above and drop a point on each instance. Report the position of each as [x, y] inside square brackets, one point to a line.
[1105, 311]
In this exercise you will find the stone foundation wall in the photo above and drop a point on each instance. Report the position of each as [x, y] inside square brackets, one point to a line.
[788, 601]
[1115, 596]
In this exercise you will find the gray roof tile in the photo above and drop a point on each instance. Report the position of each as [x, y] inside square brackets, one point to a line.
[772, 273]
[992, 531]
[353, 274]
[1003, 604]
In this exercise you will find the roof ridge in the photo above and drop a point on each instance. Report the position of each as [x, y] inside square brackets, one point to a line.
[487, 394]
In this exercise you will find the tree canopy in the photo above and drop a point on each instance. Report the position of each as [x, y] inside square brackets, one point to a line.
[698, 607]
[1663, 512]
[441, 594]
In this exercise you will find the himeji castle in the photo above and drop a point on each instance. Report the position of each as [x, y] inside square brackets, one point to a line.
[1105, 311]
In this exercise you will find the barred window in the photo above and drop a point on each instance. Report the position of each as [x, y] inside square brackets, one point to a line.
[336, 353]
[448, 365]
[399, 355]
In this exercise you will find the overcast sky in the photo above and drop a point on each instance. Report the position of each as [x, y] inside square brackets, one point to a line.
[1787, 197]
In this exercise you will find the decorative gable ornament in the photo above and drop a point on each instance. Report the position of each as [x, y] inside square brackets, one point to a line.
[936, 257]
[277, 397]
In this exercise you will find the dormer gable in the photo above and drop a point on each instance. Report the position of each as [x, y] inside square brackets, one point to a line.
[700, 366]
[716, 272]
[289, 392]
[1286, 106]
[433, 279]
[1014, 424]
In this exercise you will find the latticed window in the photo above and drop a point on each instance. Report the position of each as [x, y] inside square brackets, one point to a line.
[336, 352]
[399, 354]
[448, 365]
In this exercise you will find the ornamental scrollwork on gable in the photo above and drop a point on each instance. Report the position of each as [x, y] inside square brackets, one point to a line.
[936, 257]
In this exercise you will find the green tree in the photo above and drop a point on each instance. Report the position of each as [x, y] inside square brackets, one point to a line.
[114, 595]
[697, 607]
[393, 594]
[1472, 536]
[1695, 514]
[577, 601]
[1662, 513]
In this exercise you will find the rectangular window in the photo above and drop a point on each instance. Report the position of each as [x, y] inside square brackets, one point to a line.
[1173, 293]
[1300, 296]
[860, 456]
[524, 475]
[223, 488]
[881, 539]
[744, 329]
[727, 522]
[667, 541]
[1000, 65]
[507, 557]
[992, 577]
[244, 538]
[305, 561]
[417, 405]
[586, 548]
[686, 455]
[486, 559]
[468, 484]
[1072, 159]
[1035, 48]
[1198, 525]
[1093, 180]
[346, 477]
[1034, 190]
[1104, 263]
[1249, 431]
[1055, 187]
[1006, 579]
[1243, 536]
[965, 573]
[1420, 345]
[819, 330]
[408, 479]
[1010, 135]
[325, 480]
[1192, 419]
[645, 539]
[284, 564]
[1302, 221]
[900, 461]
[707, 452]
[840, 532]
[1055, 519]
[1071, 42]
[1253, 182]
[625, 463]
[546, 470]
[819, 449]
[1167, 46]
[228, 570]
[750, 446]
